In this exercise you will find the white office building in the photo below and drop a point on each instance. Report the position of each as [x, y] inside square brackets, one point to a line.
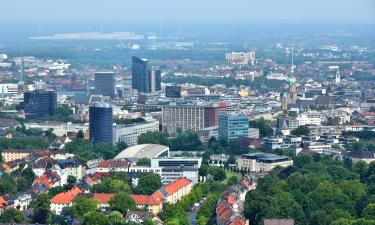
[130, 133]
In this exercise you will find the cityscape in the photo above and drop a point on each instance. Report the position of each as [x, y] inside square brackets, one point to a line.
[187, 112]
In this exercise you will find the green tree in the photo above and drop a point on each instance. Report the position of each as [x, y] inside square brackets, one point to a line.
[328, 193]
[71, 181]
[263, 125]
[301, 131]
[217, 173]
[116, 218]
[7, 184]
[369, 211]
[148, 183]
[82, 205]
[80, 134]
[41, 209]
[144, 162]
[122, 202]
[95, 218]
[12, 216]
[110, 185]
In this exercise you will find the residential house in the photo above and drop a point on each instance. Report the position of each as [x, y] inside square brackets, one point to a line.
[151, 203]
[103, 199]
[174, 191]
[63, 200]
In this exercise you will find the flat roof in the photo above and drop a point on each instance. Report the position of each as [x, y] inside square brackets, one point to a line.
[143, 151]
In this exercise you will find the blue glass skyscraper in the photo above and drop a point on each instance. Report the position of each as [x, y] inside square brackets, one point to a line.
[140, 75]
[100, 123]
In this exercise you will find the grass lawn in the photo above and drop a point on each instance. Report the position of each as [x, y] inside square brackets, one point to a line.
[229, 174]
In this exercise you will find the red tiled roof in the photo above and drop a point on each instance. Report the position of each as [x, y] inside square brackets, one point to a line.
[103, 164]
[238, 221]
[66, 197]
[145, 200]
[102, 198]
[2, 201]
[232, 199]
[158, 196]
[174, 186]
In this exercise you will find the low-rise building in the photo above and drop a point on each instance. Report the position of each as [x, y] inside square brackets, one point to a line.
[255, 162]
[103, 199]
[15, 154]
[129, 133]
[364, 156]
[63, 200]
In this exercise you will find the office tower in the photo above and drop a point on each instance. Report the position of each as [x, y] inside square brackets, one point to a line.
[144, 79]
[155, 80]
[173, 91]
[39, 103]
[105, 84]
[233, 126]
[140, 75]
[191, 117]
[100, 123]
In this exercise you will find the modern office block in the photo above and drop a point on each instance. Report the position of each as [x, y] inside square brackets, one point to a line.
[144, 79]
[100, 123]
[155, 80]
[105, 84]
[233, 126]
[140, 75]
[191, 117]
[39, 103]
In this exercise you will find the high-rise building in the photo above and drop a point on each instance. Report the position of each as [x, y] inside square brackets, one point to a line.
[155, 80]
[39, 103]
[233, 126]
[191, 117]
[100, 123]
[144, 79]
[140, 74]
[105, 84]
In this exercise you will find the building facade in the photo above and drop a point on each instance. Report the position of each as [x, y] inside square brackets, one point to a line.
[100, 123]
[191, 117]
[39, 103]
[105, 84]
[233, 126]
[140, 74]
[130, 133]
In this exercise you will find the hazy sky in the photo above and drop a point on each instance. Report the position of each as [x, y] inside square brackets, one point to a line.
[256, 11]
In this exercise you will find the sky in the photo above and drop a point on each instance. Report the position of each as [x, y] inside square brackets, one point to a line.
[208, 11]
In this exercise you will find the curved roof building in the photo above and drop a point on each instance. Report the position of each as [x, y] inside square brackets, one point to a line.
[150, 151]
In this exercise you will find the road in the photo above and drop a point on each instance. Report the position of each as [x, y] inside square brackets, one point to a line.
[192, 217]
[193, 213]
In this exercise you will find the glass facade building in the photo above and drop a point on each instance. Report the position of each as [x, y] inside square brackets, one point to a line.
[39, 103]
[105, 84]
[233, 126]
[140, 75]
[100, 123]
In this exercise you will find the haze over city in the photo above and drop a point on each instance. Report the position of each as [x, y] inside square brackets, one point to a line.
[177, 112]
